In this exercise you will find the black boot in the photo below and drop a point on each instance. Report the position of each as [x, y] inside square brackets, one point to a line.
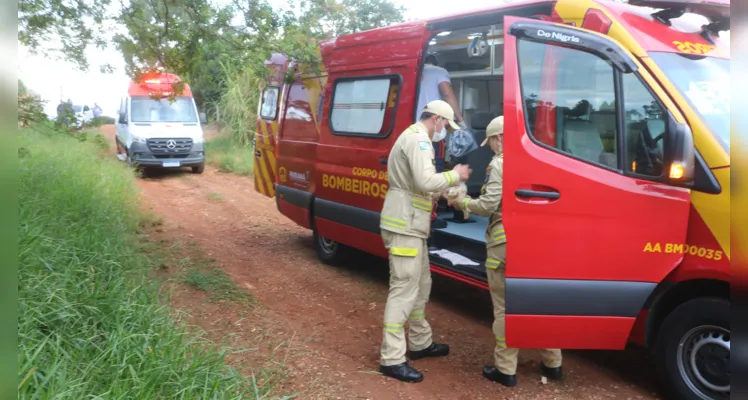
[492, 373]
[402, 372]
[435, 350]
[553, 374]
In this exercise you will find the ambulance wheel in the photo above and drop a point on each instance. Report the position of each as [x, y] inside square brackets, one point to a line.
[198, 169]
[329, 251]
[693, 350]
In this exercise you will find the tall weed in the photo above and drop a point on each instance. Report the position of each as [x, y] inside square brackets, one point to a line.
[90, 323]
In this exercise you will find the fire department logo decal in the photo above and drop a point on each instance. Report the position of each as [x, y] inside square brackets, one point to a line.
[282, 174]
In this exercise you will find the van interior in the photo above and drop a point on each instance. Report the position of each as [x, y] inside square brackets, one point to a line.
[473, 57]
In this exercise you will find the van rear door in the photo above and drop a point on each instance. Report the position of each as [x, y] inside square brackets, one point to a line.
[266, 135]
[591, 228]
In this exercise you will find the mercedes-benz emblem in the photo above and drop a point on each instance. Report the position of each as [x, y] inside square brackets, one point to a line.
[171, 144]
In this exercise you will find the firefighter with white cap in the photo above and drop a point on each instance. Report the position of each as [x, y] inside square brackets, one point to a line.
[489, 204]
[405, 225]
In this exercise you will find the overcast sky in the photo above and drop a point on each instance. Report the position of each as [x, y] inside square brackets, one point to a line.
[53, 79]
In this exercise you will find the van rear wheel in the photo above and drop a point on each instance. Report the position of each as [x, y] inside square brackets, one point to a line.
[329, 251]
[693, 350]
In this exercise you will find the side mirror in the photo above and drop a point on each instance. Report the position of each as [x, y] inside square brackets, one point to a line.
[680, 158]
[122, 118]
[203, 118]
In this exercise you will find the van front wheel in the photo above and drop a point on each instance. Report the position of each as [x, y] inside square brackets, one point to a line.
[693, 350]
[198, 169]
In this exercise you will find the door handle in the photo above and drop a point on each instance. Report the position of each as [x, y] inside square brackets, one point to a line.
[383, 160]
[553, 195]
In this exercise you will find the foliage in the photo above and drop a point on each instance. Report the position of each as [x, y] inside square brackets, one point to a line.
[91, 324]
[230, 156]
[197, 40]
[30, 107]
[63, 27]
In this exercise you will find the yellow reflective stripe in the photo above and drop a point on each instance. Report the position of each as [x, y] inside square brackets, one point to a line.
[452, 177]
[413, 129]
[394, 222]
[500, 342]
[404, 251]
[497, 238]
[420, 201]
[417, 315]
[493, 263]
[421, 206]
[394, 328]
[465, 202]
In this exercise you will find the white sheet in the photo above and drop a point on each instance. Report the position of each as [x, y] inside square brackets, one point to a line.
[454, 258]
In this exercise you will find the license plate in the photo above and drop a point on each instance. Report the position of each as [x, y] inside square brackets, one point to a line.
[171, 164]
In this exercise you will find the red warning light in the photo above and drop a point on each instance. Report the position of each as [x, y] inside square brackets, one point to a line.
[596, 20]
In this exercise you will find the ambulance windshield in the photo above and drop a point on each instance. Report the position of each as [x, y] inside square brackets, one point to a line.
[705, 83]
[146, 109]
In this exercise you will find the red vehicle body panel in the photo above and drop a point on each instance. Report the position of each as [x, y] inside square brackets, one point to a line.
[314, 167]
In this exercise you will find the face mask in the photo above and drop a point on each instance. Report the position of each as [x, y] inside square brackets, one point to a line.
[439, 136]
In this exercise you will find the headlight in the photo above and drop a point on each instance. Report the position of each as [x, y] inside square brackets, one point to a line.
[138, 139]
[199, 139]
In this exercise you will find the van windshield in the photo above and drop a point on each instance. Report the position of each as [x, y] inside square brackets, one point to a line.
[705, 83]
[146, 109]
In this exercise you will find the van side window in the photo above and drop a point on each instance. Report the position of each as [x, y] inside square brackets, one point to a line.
[364, 106]
[570, 100]
[644, 122]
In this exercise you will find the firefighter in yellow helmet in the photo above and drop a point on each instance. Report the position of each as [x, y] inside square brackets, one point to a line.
[406, 224]
[489, 204]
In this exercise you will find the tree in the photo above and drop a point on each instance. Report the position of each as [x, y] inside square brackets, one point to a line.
[362, 15]
[63, 27]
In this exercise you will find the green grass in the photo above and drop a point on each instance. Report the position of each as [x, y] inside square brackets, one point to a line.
[203, 274]
[90, 320]
[215, 196]
[215, 281]
[229, 155]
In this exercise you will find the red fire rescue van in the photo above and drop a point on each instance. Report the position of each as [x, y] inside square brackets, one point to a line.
[616, 165]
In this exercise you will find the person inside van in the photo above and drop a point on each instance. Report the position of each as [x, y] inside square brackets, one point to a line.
[436, 85]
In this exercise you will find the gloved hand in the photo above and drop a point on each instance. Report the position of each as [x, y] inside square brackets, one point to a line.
[456, 201]
[462, 125]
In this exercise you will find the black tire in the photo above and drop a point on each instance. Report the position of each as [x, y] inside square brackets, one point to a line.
[692, 351]
[331, 252]
[198, 169]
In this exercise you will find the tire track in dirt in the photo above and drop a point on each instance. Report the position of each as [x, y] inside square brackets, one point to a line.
[334, 314]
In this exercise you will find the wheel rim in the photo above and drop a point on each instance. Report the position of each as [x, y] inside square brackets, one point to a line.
[704, 361]
[327, 245]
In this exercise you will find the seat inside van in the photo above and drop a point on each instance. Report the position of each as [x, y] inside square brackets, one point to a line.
[479, 158]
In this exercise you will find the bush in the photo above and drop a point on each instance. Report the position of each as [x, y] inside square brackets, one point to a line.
[90, 324]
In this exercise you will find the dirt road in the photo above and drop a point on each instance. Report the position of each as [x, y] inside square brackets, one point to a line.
[319, 327]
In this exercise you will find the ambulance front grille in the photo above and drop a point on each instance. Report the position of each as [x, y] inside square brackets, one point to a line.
[168, 146]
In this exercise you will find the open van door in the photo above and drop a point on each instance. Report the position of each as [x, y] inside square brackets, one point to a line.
[592, 227]
[269, 114]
